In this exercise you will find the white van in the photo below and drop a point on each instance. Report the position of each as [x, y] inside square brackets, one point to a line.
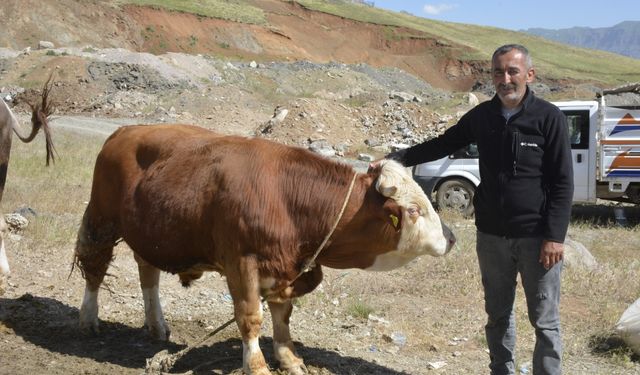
[605, 146]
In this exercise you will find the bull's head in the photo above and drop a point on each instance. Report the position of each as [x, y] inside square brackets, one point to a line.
[421, 231]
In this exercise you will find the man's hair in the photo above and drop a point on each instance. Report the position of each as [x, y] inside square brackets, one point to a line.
[508, 48]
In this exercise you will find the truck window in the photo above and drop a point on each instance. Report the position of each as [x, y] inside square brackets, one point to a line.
[578, 122]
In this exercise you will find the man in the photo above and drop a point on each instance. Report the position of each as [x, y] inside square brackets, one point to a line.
[522, 205]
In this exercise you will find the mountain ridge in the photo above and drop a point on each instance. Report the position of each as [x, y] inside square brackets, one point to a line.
[622, 38]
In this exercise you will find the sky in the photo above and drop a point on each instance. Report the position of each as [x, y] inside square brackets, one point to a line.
[518, 15]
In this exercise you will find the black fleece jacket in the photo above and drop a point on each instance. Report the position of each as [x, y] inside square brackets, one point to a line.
[526, 169]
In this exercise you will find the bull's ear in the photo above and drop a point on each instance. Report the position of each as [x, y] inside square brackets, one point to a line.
[393, 214]
[374, 168]
[387, 191]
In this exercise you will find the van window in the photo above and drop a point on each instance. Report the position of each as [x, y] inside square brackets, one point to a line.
[578, 122]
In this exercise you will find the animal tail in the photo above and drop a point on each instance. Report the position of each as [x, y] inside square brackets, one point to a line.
[40, 120]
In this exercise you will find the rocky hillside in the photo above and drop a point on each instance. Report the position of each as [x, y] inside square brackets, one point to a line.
[340, 109]
[339, 86]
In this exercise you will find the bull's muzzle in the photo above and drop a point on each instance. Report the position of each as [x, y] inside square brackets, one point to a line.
[448, 234]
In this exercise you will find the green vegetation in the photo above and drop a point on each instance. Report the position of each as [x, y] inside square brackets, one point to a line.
[359, 309]
[233, 10]
[552, 59]
[193, 40]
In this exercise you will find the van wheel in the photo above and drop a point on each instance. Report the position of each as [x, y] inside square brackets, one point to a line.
[456, 195]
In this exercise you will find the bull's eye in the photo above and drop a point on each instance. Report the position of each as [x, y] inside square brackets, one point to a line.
[413, 211]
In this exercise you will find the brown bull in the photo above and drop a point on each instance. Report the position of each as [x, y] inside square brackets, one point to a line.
[9, 125]
[187, 200]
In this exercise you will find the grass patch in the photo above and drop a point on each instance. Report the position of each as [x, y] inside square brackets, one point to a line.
[359, 309]
[58, 193]
[193, 40]
[232, 10]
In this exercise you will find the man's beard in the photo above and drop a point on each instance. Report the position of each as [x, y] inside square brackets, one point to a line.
[512, 94]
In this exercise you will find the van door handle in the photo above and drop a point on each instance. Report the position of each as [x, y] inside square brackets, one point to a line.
[579, 158]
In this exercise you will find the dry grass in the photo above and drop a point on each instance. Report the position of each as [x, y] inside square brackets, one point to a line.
[438, 302]
[58, 193]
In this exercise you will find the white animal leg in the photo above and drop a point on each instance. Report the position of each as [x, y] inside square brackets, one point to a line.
[89, 310]
[153, 317]
[93, 259]
[282, 344]
[253, 362]
[4, 263]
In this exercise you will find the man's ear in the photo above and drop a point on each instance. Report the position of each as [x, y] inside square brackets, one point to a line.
[531, 75]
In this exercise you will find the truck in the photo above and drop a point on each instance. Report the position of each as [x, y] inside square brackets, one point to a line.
[605, 147]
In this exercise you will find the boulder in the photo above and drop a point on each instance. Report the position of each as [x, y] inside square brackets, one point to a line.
[43, 44]
[16, 222]
[576, 255]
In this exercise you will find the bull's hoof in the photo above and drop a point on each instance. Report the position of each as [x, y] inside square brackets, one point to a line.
[261, 371]
[89, 320]
[90, 327]
[297, 370]
[160, 332]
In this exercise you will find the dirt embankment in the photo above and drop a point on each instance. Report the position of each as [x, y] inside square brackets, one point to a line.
[293, 33]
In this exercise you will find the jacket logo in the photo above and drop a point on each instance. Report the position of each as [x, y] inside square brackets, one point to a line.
[528, 144]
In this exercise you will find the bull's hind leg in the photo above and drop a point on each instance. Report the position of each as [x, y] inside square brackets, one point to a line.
[93, 253]
[153, 318]
[242, 278]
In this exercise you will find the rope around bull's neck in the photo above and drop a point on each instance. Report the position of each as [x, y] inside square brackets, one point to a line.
[309, 264]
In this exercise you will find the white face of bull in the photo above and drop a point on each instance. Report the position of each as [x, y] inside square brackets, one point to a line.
[421, 231]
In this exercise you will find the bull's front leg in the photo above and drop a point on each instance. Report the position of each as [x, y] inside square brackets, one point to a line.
[150, 284]
[282, 344]
[243, 281]
[281, 308]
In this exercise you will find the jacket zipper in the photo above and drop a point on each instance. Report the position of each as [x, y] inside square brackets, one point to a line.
[516, 151]
[501, 175]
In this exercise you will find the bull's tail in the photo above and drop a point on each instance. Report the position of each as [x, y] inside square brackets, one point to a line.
[94, 251]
